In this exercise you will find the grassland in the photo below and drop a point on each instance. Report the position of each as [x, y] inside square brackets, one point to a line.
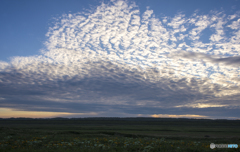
[117, 135]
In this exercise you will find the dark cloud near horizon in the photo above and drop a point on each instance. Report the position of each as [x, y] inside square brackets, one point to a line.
[106, 86]
[120, 110]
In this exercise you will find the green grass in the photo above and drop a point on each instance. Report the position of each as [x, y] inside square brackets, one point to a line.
[117, 136]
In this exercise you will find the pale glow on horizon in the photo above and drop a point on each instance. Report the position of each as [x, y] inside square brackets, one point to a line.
[10, 113]
[177, 116]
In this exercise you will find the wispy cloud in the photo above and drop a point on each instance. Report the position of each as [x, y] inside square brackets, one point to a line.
[112, 61]
[232, 61]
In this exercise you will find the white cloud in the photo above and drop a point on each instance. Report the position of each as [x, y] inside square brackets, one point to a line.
[201, 23]
[235, 24]
[177, 21]
[3, 65]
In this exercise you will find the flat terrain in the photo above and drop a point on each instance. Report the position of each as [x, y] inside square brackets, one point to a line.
[117, 134]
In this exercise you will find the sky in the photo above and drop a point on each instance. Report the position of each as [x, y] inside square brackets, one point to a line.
[114, 58]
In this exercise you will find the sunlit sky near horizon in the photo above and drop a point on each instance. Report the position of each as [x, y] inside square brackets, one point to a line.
[120, 58]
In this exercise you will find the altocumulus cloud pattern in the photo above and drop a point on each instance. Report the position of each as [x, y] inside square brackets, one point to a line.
[112, 61]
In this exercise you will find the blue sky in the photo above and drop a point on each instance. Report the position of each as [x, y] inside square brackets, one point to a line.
[120, 58]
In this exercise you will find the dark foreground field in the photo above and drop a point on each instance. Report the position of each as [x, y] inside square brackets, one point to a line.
[117, 135]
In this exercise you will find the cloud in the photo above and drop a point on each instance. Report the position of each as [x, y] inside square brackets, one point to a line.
[112, 61]
[235, 24]
[104, 86]
[233, 61]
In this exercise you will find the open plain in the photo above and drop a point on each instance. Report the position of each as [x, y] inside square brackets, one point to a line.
[117, 134]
